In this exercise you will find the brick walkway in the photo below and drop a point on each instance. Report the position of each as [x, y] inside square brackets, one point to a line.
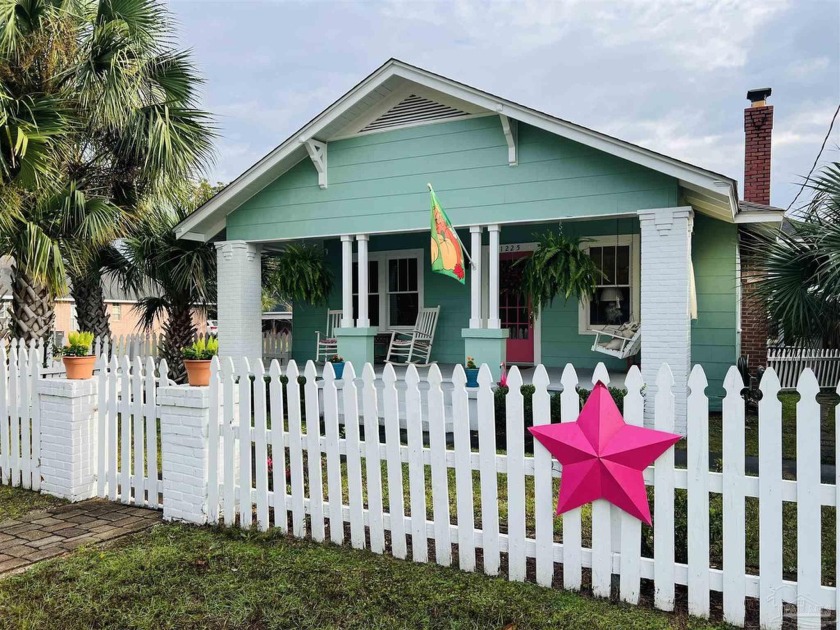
[56, 531]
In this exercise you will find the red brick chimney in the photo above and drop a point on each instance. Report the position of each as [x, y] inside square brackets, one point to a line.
[758, 131]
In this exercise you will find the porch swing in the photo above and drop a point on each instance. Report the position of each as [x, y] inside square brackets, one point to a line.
[621, 342]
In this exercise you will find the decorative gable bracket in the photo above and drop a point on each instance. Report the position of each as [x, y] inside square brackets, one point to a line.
[318, 154]
[511, 130]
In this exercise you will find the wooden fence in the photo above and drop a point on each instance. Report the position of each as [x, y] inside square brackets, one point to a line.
[19, 418]
[250, 461]
[128, 430]
[789, 361]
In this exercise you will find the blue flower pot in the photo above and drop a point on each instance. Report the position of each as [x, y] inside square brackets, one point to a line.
[338, 368]
[472, 377]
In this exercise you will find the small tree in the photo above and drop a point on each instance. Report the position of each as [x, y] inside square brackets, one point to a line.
[799, 275]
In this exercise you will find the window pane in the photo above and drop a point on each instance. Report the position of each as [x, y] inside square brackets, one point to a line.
[373, 309]
[595, 254]
[610, 311]
[403, 309]
[608, 265]
[623, 265]
[393, 272]
[412, 274]
[355, 277]
[373, 276]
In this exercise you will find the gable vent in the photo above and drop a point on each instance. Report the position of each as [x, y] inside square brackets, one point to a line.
[411, 110]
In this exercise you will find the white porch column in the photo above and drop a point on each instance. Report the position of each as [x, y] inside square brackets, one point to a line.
[363, 320]
[493, 320]
[347, 281]
[239, 299]
[665, 303]
[475, 277]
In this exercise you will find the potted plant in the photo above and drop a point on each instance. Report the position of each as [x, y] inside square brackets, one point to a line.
[197, 359]
[338, 365]
[472, 372]
[77, 356]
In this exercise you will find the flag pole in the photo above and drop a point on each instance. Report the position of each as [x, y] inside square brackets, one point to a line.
[454, 231]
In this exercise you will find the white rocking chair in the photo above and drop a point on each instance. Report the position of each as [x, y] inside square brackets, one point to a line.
[414, 346]
[327, 344]
[622, 342]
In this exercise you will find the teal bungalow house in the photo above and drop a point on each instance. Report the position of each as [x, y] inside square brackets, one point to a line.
[354, 179]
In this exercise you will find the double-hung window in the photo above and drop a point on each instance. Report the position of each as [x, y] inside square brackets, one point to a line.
[616, 298]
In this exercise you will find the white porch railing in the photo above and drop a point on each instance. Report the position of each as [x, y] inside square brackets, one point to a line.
[789, 361]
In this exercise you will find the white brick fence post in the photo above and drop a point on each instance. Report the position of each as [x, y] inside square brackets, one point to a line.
[68, 437]
[184, 425]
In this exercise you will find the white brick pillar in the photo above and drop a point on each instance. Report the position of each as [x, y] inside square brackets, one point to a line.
[239, 299]
[184, 427]
[68, 437]
[665, 303]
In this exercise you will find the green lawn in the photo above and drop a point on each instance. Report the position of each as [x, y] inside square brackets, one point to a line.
[15, 502]
[186, 577]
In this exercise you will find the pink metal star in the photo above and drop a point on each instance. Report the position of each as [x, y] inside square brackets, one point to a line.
[602, 457]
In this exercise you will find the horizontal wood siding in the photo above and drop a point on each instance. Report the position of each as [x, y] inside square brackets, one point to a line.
[377, 183]
[713, 334]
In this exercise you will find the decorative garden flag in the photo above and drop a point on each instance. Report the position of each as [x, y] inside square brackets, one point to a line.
[603, 457]
[447, 252]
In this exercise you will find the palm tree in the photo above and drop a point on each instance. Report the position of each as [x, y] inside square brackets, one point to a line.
[133, 134]
[173, 278]
[800, 266]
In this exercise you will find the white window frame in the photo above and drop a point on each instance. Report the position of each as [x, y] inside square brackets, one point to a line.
[383, 257]
[634, 241]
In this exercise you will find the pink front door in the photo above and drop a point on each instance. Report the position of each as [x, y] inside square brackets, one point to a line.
[515, 310]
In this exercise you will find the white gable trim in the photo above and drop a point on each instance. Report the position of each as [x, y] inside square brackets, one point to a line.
[272, 165]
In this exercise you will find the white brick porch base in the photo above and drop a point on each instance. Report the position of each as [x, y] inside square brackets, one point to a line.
[665, 294]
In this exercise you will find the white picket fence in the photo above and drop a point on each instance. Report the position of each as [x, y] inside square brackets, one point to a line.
[128, 430]
[789, 361]
[241, 485]
[19, 417]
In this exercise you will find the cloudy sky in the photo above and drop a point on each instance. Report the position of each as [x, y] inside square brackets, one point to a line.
[669, 75]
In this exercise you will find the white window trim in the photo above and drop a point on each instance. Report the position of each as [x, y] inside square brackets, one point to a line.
[383, 257]
[634, 241]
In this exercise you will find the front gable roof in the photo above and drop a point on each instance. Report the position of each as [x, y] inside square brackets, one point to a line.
[397, 90]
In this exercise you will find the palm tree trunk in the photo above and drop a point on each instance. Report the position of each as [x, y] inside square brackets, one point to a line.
[91, 313]
[33, 308]
[179, 332]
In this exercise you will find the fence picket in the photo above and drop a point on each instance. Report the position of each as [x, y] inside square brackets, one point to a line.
[334, 485]
[5, 444]
[138, 430]
[770, 500]
[14, 417]
[101, 426]
[631, 527]
[228, 423]
[440, 480]
[572, 531]
[260, 447]
[125, 429]
[113, 428]
[516, 476]
[733, 499]
[601, 524]
[354, 462]
[489, 479]
[278, 449]
[372, 461]
[24, 402]
[152, 431]
[808, 508]
[396, 495]
[213, 441]
[35, 363]
[246, 505]
[295, 452]
[543, 494]
[313, 452]
[663, 498]
[416, 468]
[698, 494]
[463, 470]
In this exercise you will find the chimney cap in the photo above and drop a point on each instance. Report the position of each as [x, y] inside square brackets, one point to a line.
[759, 94]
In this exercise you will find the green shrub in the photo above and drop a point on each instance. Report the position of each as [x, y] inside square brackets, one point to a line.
[201, 350]
[79, 345]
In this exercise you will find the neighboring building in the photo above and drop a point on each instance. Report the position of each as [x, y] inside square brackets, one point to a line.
[354, 179]
[120, 306]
